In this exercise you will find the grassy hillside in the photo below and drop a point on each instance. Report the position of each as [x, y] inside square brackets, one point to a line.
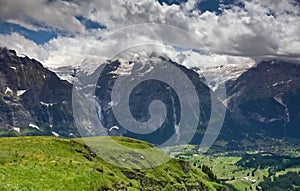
[48, 163]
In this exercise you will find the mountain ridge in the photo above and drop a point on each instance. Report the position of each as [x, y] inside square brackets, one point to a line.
[33, 98]
[262, 101]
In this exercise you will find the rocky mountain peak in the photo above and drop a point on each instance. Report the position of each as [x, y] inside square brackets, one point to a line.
[264, 99]
[31, 94]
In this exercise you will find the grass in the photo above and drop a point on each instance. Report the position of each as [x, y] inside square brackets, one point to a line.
[48, 163]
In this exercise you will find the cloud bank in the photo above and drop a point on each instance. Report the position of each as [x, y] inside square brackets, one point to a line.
[247, 29]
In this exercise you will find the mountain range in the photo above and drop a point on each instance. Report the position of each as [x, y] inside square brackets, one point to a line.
[262, 101]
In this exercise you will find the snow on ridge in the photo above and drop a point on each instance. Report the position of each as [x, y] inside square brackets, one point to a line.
[14, 68]
[125, 68]
[87, 66]
[281, 83]
[47, 104]
[217, 69]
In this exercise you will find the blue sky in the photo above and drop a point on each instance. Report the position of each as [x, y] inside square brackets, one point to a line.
[39, 37]
[43, 36]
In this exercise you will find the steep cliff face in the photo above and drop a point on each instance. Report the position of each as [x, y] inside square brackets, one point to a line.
[148, 91]
[33, 100]
[265, 99]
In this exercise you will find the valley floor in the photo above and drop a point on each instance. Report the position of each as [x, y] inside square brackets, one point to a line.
[255, 170]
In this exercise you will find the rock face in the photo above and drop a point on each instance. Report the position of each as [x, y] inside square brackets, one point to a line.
[265, 99]
[148, 91]
[33, 100]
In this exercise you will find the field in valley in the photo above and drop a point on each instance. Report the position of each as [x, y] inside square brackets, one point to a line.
[242, 171]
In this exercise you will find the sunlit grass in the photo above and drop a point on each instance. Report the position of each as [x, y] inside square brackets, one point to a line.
[48, 163]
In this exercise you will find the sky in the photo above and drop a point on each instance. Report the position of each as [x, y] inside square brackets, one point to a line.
[62, 33]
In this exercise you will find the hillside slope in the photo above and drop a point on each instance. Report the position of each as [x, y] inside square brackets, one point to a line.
[48, 163]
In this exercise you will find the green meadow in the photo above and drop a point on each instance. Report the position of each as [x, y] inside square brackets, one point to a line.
[49, 163]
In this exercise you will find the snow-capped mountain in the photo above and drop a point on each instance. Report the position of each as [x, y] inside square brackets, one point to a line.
[220, 75]
[145, 93]
[217, 70]
[34, 101]
[264, 100]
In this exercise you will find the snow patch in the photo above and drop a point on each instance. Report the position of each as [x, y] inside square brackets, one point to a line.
[55, 134]
[21, 92]
[8, 91]
[47, 104]
[34, 126]
[114, 127]
[17, 129]
[146, 68]
[281, 83]
[279, 100]
[272, 120]
[124, 69]
[14, 68]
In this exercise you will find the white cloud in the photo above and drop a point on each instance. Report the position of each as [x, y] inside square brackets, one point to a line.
[260, 29]
[25, 25]
[23, 46]
[57, 14]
